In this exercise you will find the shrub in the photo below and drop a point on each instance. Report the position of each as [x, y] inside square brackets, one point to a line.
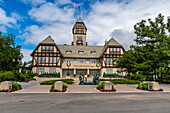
[143, 85]
[88, 75]
[100, 85]
[137, 77]
[120, 81]
[32, 79]
[49, 75]
[16, 85]
[74, 75]
[110, 75]
[35, 74]
[50, 82]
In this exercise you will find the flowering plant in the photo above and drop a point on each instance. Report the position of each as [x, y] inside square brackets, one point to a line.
[56, 90]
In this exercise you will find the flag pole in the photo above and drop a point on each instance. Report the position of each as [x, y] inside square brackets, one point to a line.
[79, 11]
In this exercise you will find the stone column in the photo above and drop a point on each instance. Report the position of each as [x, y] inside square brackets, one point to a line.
[87, 71]
[74, 71]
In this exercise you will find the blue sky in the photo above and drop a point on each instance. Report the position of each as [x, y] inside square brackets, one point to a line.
[33, 20]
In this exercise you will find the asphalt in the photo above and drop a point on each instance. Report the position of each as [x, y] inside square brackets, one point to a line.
[138, 102]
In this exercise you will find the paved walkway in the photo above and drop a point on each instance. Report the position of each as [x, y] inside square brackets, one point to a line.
[35, 87]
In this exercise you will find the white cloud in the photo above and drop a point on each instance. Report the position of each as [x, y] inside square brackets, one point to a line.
[3, 29]
[49, 12]
[105, 19]
[26, 53]
[5, 20]
[34, 2]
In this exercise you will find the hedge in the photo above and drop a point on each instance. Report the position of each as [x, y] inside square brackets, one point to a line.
[143, 85]
[112, 75]
[49, 75]
[137, 77]
[121, 81]
[50, 82]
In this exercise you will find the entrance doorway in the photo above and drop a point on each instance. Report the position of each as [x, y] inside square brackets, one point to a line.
[81, 72]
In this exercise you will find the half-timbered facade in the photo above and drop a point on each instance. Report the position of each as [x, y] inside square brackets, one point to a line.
[48, 57]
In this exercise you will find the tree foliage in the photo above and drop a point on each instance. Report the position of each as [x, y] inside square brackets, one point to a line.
[8, 51]
[151, 53]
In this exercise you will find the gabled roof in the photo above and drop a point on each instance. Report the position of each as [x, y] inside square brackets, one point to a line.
[75, 49]
[48, 40]
[111, 42]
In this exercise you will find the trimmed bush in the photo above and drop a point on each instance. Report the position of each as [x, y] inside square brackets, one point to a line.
[49, 75]
[100, 87]
[115, 81]
[16, 85]
[143, 85]
[50, 82]
[112, 75]
[32, 79]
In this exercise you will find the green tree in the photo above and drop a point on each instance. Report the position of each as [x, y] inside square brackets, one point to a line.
[151, 53]
[8, 51]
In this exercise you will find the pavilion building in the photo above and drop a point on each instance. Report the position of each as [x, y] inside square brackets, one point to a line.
[77, 58]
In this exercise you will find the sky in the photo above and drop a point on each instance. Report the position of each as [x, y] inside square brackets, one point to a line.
[33, 20]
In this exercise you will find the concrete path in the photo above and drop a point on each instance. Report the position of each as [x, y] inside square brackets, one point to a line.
[35, 87]
[74, 88]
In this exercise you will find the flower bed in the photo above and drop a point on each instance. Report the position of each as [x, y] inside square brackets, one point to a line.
[15, 87]
[144, 86]
[65, 86]
[100, 88]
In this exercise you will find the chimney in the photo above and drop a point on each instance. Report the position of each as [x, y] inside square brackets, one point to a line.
[106, 41]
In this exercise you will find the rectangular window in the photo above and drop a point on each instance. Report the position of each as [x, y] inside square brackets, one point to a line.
[111, 61]
[40, 70]
[68, 60]
[47, 47]
[52, 70]
[81, 52]
[114, 49]
[93, 61]
[51, 47]
[43, 47]
[107, 60]
[43, 59]
[81, 61]
[51, 59]
[79, 38]
[39, 59]
[111, 49]
[109, 70]
[55, 60]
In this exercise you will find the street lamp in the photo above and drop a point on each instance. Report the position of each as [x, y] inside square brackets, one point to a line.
[15, 61]
[98, 66]
[68, 65]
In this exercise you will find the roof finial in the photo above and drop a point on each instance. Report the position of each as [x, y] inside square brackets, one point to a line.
[79, 11]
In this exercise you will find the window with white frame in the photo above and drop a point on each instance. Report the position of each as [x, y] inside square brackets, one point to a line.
[51, 47]
[55, 60]
[43, 59]
[47, 47]
[111, 60]
[51, 59]
[40, 70]
[52, 70]
[107, 60]
[114, 49]
[109, 70]
[43, 47]
[39, 59]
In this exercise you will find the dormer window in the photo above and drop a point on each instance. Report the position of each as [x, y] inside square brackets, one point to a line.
[43, 47]
[68, 52]
[81, 52]
[93, 52]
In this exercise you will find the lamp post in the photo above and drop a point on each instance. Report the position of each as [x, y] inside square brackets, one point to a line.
[68, 65]
[98, 66]
[15, 62]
